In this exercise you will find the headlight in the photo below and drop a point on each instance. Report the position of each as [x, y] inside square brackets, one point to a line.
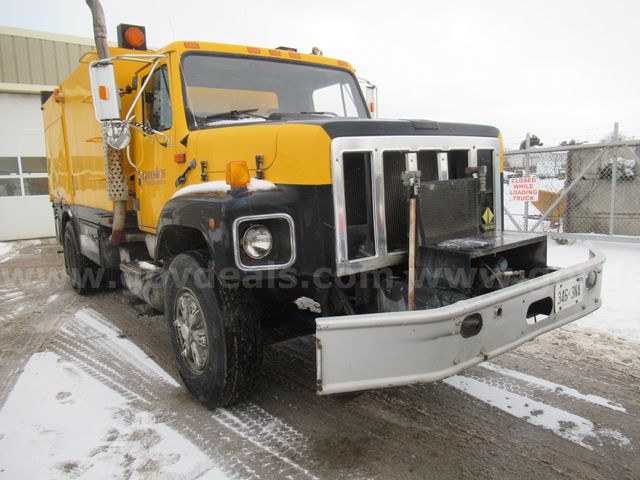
[257, 241]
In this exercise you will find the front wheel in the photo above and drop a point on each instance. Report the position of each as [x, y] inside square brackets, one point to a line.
[215, 333]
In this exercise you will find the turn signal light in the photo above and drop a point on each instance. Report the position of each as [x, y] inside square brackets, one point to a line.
[58, 97]
[103, 92]
[237, 175]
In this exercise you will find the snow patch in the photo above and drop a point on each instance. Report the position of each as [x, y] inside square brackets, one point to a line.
[6, 252]
[147, 266]
[59, 422]
[5, 248]
[553, 387]
[620, 311]
[220, 186]
[93, 320]
[306, 303]
[52, 298]
[567, 425]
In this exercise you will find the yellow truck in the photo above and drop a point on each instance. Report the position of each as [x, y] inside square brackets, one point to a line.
[248, 193]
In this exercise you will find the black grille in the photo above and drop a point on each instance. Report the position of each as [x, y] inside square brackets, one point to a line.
[428, 165]
[358, 204]
[357, 187]
[395, 201]
[449, 209]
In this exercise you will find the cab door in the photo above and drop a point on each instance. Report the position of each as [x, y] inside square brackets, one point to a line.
[154, 152]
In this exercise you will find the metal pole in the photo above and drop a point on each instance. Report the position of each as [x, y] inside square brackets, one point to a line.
[412, 254]
[526, 174]
[112, 157]
[99, 28]
[614, 180]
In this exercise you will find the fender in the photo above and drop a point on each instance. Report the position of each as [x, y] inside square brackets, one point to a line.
[185, 221]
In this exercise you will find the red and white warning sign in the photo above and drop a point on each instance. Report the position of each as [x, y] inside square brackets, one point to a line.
[523, 189]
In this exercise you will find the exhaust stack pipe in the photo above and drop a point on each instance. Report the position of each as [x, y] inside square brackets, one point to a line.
[117, 187]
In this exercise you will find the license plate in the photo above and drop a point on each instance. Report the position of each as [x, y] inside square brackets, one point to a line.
[569, 293]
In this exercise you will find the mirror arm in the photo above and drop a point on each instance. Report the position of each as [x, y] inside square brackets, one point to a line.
[147, 130]
[129, 115]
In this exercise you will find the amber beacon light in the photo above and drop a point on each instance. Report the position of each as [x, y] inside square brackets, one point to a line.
[133, 37]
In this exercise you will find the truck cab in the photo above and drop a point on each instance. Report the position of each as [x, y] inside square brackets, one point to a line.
[261, 197]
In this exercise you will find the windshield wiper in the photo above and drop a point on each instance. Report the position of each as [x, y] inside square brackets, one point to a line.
[330, 114]
[232, 113]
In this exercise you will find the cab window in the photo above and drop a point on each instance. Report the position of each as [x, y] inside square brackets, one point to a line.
[157, 103]
[337, 98]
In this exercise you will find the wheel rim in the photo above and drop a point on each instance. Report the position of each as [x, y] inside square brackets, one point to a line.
[191, 331]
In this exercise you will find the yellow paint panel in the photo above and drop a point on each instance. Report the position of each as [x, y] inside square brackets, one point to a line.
[293, 154]
[85, 154]
[257, 52]
[59, 178]
[303, 157]
[218, 146]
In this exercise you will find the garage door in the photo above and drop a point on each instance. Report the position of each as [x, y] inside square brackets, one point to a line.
[25, 210]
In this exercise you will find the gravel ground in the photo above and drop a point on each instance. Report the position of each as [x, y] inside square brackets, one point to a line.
[563, 406]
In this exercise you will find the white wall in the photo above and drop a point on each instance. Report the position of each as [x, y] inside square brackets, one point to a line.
[26, 217]
[22, 134]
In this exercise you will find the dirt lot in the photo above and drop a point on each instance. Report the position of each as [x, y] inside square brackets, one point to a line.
[564, 406]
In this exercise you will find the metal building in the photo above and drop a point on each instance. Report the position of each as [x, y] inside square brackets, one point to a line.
[30, 62]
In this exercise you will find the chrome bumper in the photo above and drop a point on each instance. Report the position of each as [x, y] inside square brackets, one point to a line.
[361, 352]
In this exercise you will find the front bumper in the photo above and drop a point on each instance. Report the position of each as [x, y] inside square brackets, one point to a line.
[361, 352]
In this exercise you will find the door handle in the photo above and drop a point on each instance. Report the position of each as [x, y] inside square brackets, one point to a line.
[183, 178]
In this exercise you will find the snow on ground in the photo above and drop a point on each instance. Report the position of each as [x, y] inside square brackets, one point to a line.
[5, 249]
[94, 322]
[565, 424]
[620, 312]
[59, 422]
[553, 387]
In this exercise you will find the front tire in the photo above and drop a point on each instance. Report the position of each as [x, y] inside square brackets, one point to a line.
[215, 333]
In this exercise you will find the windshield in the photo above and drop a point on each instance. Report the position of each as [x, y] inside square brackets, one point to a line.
[223, 89]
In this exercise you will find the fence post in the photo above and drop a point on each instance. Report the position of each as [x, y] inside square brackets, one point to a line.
[614, 180]
[527, 145]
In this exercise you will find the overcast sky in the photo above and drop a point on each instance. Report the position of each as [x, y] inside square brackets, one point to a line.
[559, 69]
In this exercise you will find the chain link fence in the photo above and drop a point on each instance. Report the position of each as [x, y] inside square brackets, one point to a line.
[574, 190]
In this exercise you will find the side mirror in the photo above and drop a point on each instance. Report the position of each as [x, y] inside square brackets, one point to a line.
[106, 95]
[106, 104]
